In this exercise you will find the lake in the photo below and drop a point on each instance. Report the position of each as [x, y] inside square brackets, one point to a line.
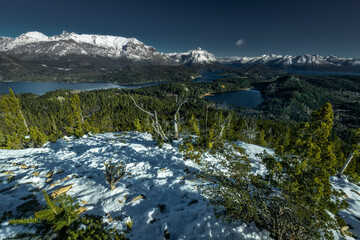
[210, 76]
[243, 98]
[40, 88]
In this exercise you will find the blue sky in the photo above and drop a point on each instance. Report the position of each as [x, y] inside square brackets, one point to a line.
[225, 28]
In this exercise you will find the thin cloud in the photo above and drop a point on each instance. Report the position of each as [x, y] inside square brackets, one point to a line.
[239, 42]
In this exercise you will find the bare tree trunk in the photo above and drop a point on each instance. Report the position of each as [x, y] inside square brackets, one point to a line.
[346, 164]
[250, 129]
[176, 129]
[177, 118]
[206, 119]
[224, 124]
[25, 123]
[155, 122]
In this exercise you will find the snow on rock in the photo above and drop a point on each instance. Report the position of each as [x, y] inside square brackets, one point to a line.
[288, 60]
[196, 56]
[254, 153]
[115, 47]
[159, 192]
[351, 193]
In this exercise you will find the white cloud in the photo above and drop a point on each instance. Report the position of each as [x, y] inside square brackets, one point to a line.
[239, 42]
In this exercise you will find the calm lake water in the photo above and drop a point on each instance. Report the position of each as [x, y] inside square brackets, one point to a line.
[43, 87]
[210, 76]
[243, 98]
[40, 88]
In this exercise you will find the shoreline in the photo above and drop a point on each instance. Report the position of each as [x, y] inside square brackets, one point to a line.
[75, 82]
[213, 93]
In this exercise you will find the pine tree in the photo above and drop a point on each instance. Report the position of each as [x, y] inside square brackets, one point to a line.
[37, 137]
[194, 125]
[14, 120]
[302, 171]
[78, 125]
[53, 132]
[317, 152]
[58, 216]
[62, 220]
[138, 125]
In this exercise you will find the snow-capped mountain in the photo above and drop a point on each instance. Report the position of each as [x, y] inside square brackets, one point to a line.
[37, 46]
[85, 48]
[104, 51]
[196, 56]
[305, 61]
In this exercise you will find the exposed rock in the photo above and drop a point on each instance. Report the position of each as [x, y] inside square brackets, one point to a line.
[59, 191]
[83, 202]
[64, 179]
[23, 166]
[49, 180]
[60, 171]
[35, 174]
[109, 217]
[345, 230]
[81, 210]
[49, 174]
[141, 196]
[8, 172]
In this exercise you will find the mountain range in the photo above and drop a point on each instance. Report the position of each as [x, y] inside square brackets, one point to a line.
[71, 50]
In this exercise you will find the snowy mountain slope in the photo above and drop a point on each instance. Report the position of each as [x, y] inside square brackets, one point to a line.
[172, 201]
[305, 61]
[35, 45]
[196, 56]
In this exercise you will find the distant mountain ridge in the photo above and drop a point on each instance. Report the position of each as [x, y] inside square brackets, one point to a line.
[73, 50]
[300, 62]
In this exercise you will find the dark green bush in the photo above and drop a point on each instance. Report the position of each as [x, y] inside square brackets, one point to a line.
[61, 219]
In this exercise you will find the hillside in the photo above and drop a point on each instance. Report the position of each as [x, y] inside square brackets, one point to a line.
[169, 199]
[167, 182]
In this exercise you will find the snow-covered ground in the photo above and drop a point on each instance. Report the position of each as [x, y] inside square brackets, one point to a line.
[159, 195]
